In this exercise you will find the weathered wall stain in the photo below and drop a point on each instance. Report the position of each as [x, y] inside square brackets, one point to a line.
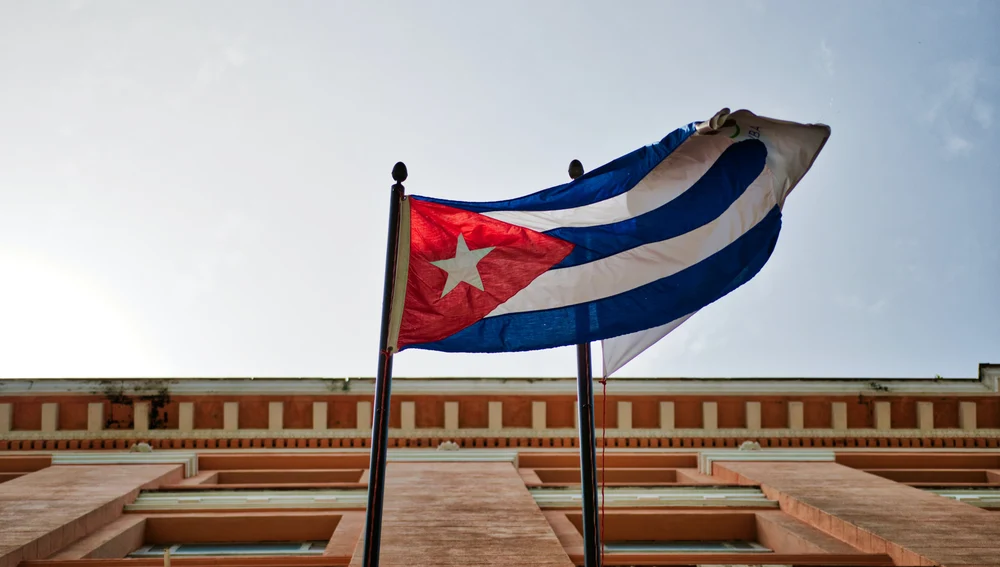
[121, 411]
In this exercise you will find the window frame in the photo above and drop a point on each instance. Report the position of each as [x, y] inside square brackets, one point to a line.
[177, 549]
[658, 547]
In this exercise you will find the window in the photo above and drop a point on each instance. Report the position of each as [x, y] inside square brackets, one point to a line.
[233, 548]
[684, 547]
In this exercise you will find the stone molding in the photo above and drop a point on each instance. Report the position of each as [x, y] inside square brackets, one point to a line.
[204, 500]
[709, 456]
[706, 497]
[988, 382]
[187, 458]
[506, 433]
[979, 497]
[700, 497]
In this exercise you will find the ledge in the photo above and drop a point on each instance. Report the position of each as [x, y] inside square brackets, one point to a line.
[186, 458]
[986, 497]
[248, 500]
[222, 499]
[709, 456]
[987, 382]
[702, 497]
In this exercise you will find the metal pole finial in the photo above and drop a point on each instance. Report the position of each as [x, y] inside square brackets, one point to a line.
[399, 172]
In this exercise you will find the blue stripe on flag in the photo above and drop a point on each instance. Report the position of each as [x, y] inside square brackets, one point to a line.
[609, 180]
[651, 305]
[703, 202]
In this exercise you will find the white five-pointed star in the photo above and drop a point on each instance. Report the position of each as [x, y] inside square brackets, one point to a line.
[462, 268]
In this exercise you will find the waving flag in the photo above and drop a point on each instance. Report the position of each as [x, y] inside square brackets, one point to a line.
[623, 254]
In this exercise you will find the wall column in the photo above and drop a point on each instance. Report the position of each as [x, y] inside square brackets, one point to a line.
[875, 514]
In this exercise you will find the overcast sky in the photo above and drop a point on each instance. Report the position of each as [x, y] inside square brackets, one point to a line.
[200, 188]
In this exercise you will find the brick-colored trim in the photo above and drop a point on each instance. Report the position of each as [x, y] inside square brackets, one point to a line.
[302, 442]
[76, 416]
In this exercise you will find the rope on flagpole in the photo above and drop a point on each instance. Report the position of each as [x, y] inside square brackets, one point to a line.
[604, 462]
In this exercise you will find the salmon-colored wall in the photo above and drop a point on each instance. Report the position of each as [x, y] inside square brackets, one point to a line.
[517, 412]
[209, 414]
[542, 460]
[473, 412]
[73, 415]
[49, 509]
[306, 476]
[27, 416]
[169, 414]
[114, 540]
[253, 413]
[233, 527]
[687, 413]
[343, 413]
[394, 412]
[24, 463]
[773, 413]
[785, 534]
[919, 460]
[945, 413]
[732, 414]
[988, 413]
[560, 412]
[860, 412]
[298, 413]
[118, 416]
[817, 414]
[431, 414]
[646, 413]
[345, 537]
[643, 525]
[876, 515]
[279, 461]
[904, 414]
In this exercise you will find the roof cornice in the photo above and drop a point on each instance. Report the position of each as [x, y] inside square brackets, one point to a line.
[986, 384]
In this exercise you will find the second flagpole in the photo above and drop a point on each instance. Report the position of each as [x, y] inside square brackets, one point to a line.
[588, 443]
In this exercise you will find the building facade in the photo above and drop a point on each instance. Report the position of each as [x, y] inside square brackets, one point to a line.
[253, 472]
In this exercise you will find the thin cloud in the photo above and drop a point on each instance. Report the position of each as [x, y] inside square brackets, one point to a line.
[957, 145]
[215, 67]
[235, 233]
[963, 106]
[857, 303]
[982, 113]
[236, 56]
[827, 57]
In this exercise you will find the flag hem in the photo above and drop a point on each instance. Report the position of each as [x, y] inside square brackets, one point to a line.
[401, 272]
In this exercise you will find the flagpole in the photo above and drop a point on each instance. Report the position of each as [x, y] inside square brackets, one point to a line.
[588, 444]
[383, 384]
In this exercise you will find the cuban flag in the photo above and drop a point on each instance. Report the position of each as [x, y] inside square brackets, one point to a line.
[623, 254]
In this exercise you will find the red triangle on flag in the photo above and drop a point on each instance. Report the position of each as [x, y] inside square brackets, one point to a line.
[463, 265]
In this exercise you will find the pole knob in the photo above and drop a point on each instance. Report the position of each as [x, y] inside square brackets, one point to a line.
[399, 172]
[575, 169]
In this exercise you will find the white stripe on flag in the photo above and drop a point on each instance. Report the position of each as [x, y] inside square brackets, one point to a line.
[669, 179]
[791, 147]
[619, 351]
[791, 150]
[644, 264]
